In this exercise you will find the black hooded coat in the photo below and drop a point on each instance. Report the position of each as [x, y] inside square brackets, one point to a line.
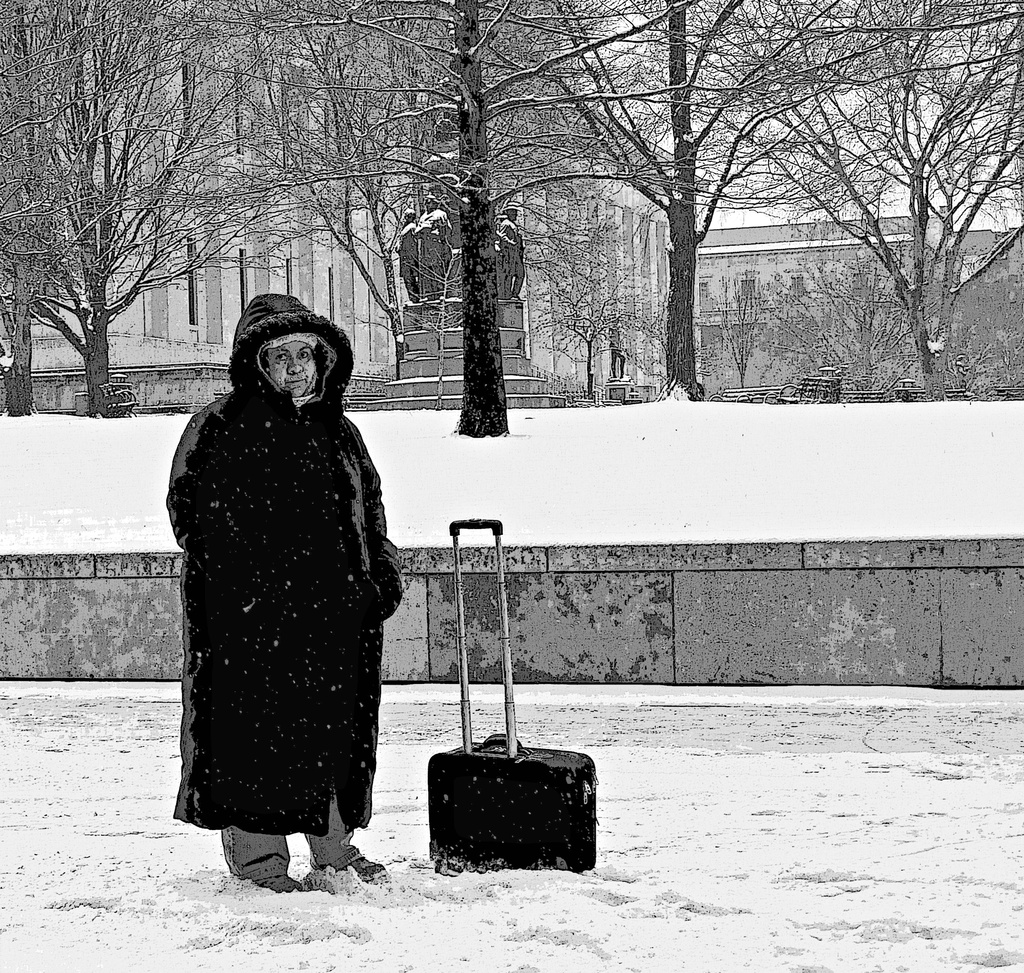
[287, 578]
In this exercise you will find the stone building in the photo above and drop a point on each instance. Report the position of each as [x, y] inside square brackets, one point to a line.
[174, 343]
[766, 268]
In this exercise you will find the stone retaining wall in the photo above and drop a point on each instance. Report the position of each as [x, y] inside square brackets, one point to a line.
[915, 613]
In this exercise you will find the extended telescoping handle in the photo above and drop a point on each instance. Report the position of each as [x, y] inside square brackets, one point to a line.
[506, 643]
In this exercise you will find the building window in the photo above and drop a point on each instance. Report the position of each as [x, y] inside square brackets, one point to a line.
[330, 293]
[711, 340]
[796, 285]
[748, 288]
[193, 291]
[704, 294]
[288, 279]
[243, 290]
[860, 285]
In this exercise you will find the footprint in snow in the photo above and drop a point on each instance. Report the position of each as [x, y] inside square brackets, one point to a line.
[608, 897]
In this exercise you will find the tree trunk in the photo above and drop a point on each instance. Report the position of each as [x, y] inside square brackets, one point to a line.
[17, 376]
[590, 370]
[398, 337]
[442, 322]
[933, 363]
[681, 366]
[484, 410]
[867, 362]
[399, 354]
[97, 360]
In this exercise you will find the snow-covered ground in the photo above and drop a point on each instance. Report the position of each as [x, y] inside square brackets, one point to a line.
[670, 472]
[799, 831]
[789, 830]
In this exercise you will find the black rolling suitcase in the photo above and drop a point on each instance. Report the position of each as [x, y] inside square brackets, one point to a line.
[498, 804]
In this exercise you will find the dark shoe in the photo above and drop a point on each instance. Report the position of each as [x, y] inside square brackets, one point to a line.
[278, 883]
[373, 873]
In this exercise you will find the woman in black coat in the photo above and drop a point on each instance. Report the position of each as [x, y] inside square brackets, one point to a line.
[287, 579]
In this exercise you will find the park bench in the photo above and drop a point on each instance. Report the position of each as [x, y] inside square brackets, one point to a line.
[759, 394]
[819, 388]
[119, 399]
[906, 391]
[1008, 393]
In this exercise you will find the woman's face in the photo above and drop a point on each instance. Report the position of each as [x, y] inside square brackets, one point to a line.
[292, 368]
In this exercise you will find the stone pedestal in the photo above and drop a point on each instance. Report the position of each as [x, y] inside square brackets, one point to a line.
[433, 348]
[429, 323]
[626, 391]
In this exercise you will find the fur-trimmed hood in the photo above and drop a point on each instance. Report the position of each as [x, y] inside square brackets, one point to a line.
[270, 316]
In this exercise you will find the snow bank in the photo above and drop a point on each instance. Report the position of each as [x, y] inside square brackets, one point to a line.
[671, 472]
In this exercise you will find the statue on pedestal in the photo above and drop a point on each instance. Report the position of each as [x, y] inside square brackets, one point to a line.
[510, 249]
[409, 255]
[618, 363]
[429, 249]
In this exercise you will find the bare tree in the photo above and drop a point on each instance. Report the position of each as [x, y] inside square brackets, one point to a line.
[145, 182]
[370, 110]
[33, 92]
[742, 315]
[337, 122]
[490, 73]
[987, 346]
[842, 313]
[685, 113]
[590, 293]
[935, 128]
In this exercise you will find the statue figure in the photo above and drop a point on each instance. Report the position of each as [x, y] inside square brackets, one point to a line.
[618, 363]
[509, 246]
[409, 256]
[439, 247]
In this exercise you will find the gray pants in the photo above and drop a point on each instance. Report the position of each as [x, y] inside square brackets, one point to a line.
[259, 856]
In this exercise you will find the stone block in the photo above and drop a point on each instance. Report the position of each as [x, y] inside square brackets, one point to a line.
[983, 627]
[405, 636]
[90, 628]
[138, 565]
[136, 630]
[914, 553]
[674, 557]
[35, 642]
[604, 628]
[47, 566]
[476, 558]
[857, 627]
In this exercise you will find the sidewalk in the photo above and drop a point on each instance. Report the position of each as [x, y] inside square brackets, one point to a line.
[818, 830]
